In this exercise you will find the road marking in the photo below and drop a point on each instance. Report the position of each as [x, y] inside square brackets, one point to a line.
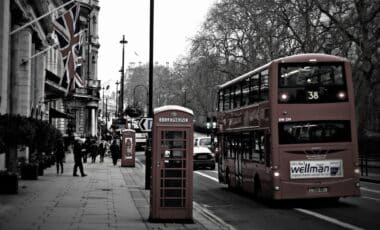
[308, 212]
[370, 198]
[211, 217]
[329, 219]
[207, 176]
[370, 190]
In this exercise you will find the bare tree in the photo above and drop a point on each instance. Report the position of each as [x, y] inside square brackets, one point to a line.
[240, 35]
[358, 24]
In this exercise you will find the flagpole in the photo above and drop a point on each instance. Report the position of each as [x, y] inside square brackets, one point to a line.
[43, 51]
[39, 18]
[39, 53]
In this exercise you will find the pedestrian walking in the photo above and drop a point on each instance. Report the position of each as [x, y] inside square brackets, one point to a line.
[115, 152]
[107, 148]
[87, 149]
[59, 156]
[102, 150]
[78, 158]
[94, 151]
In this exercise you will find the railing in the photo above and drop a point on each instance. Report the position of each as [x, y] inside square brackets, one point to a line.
[369, 163]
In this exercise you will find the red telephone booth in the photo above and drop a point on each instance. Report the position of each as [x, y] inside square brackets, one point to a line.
[128, 148]
[172, 165]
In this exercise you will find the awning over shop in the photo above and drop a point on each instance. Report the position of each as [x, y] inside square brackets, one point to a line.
[52, 87]
[53, 113]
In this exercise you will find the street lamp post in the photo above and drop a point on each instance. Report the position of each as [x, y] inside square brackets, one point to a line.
[104, 88]
[116, 97]
[184, 91]
[121, 105]
[103, 102]
[107, 112]
[147, 96]
[148, 152]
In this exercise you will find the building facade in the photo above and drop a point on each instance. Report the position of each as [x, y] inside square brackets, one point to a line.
[31, 64]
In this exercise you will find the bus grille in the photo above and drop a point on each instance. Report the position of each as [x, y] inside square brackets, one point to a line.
[316, 151]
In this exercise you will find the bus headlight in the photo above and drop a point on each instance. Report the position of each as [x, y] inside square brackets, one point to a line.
[276, 174]
[357, 171]
[284, 97]
[341, 95]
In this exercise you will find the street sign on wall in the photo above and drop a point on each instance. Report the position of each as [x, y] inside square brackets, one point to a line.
[145, 124]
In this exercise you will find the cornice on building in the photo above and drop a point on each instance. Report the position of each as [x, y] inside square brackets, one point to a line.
[95, 45]
[85, 96]
[29, 14]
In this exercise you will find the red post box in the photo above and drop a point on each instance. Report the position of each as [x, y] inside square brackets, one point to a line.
[171, 195]
[128, 144]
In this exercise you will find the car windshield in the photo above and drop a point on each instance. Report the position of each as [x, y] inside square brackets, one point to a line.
[205, 141]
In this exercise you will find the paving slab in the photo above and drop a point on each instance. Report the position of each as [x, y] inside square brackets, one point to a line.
[109, 198]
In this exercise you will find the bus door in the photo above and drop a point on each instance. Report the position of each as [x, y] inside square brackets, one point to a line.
[265, 159]
[221, 155]
[246, 165]
[238, 160]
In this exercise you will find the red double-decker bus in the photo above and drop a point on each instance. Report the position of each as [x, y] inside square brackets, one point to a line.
[287, 130]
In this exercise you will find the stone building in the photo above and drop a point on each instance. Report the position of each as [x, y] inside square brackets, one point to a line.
[31, 64]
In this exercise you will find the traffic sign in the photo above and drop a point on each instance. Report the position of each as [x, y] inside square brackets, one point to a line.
[146, 124]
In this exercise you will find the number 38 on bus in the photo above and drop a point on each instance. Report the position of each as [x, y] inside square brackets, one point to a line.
[287, 130]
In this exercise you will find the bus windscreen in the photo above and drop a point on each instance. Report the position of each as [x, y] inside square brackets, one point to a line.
[314, 132]
[311, 83]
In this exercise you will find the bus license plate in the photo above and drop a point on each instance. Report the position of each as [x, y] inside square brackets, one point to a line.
[202, 157]
[318, 189]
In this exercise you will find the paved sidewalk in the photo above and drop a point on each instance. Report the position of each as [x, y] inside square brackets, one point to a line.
[108, 198]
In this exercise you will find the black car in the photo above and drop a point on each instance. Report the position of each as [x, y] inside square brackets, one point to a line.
[203, 158]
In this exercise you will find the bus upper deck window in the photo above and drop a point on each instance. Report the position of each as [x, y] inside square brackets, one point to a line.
[311, 83]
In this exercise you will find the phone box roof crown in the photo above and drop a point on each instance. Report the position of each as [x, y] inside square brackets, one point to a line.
[173, 107]
[173, 114]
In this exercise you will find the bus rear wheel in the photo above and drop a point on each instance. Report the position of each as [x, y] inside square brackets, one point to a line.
[332, 200]
[257, 188]
[228, 181]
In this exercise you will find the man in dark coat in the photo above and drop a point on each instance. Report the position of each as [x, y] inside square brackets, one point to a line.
[59, 155]
[102, 151]
[94, 151]
[87, 147]
[78, 159]
[115, 152]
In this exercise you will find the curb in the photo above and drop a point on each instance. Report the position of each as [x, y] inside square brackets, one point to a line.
[377, 181]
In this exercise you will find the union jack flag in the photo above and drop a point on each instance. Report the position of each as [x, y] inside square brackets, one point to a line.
[70, 44]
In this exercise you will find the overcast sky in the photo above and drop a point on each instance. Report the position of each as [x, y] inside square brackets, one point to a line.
[176, 21]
